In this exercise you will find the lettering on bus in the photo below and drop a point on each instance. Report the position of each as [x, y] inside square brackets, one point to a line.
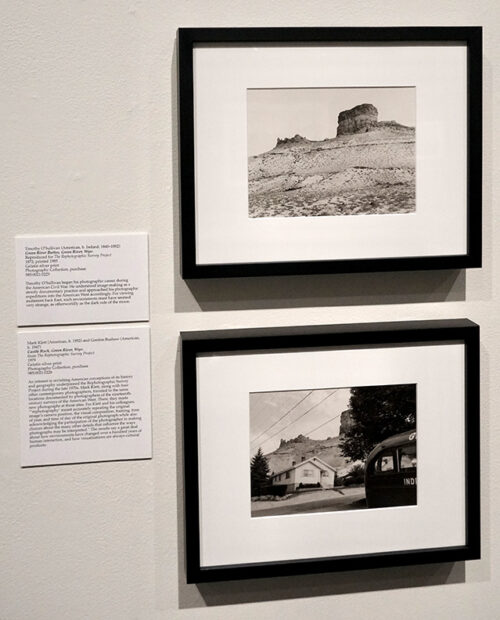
[409, 482]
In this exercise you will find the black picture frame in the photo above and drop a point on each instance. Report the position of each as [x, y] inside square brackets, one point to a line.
[210, 343]
[189, 38]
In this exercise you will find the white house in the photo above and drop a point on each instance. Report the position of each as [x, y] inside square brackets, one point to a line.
[308, 472]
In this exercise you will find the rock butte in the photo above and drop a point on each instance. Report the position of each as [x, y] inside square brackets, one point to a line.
[358, 119]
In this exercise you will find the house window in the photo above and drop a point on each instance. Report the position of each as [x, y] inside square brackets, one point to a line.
[324, 473]
[288, 474]
[307, 473]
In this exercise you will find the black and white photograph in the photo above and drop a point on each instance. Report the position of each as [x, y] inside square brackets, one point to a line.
[331, 151]
[333, 449]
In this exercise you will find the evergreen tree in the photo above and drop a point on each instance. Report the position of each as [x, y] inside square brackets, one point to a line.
[377, 412]
[259, 473]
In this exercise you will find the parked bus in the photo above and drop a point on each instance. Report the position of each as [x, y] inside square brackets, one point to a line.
[391, 472]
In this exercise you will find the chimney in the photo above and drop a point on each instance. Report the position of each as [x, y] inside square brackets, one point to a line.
[302, 459]
[293, 463]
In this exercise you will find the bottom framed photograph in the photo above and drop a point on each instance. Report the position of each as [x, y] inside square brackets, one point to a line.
[301, 448]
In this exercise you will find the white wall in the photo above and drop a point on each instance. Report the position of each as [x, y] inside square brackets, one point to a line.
[89, 144]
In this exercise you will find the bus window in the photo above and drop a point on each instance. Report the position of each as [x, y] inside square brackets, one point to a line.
[385, 463]
[407, 457]
[391, 472]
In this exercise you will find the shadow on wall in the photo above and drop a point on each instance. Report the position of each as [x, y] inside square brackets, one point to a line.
[328, 584]
[359, 289]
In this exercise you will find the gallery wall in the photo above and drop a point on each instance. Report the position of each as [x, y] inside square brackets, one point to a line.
[90, 144]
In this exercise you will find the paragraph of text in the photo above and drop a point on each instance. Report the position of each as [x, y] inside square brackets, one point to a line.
[81, 409]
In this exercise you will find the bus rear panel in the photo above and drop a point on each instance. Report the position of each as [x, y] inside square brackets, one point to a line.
[391, 472]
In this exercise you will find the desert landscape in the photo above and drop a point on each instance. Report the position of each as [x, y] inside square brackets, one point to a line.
[367, 168]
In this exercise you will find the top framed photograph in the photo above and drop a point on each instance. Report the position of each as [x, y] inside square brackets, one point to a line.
[329, 150]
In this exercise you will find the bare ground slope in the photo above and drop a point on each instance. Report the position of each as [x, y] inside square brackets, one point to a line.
[362, 173]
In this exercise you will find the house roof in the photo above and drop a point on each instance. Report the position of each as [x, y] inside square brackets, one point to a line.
[314, 460]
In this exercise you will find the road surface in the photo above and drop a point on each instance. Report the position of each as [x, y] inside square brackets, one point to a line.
[314, 501]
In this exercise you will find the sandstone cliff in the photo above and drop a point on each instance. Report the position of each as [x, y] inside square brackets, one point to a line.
[360, 118]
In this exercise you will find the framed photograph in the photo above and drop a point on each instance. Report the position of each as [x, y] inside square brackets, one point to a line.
[329, 150]
[301, 448]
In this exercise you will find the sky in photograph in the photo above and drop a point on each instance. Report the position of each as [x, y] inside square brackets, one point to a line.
[284, 415]
[313, 112]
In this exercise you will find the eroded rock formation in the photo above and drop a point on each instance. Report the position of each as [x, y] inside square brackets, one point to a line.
[358, 119]
[297, 139]
[345, 422]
